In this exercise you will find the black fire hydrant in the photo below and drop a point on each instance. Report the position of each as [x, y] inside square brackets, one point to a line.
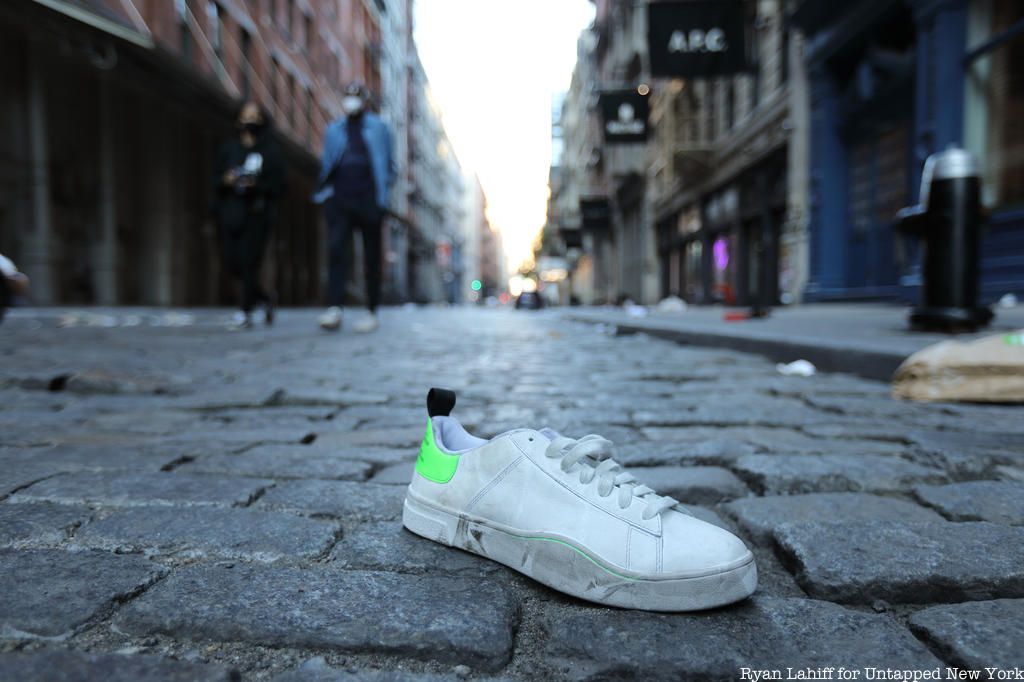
[948, 221]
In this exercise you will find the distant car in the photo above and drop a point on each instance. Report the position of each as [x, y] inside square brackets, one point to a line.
[530, 300]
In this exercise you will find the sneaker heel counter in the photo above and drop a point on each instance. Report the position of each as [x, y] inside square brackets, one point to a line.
[433, 464]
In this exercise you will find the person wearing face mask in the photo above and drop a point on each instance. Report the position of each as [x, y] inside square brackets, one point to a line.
[357, 169]
[248, 181]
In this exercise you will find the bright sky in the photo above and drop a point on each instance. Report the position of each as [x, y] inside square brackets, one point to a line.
[494, 66]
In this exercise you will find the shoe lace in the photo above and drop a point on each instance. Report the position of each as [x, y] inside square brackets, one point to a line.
[594, 455]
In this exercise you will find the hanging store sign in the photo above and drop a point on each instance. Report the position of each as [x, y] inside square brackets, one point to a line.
[624, 115]
[595, 213]
[696, 38]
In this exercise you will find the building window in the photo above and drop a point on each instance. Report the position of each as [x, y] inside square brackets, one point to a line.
[754, 31]
[994, 91]
[291, 101]
[309, 116]
[213, 21]
[785, 39]
[187, 43]
[730, 103]
[712, 99]
[274, 69]
[245, 44]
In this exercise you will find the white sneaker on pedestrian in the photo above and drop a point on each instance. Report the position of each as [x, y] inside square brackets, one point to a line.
[330, 319]
[240, 320]
[563, 512]
[367, 324]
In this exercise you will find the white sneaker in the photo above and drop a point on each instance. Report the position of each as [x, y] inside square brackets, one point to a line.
[330, 319]
[367, 324]
[564, 513]
[240, 320]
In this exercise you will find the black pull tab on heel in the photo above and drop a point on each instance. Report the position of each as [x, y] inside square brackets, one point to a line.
[440, 402]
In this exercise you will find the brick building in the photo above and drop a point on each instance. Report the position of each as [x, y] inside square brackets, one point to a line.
[112, 110]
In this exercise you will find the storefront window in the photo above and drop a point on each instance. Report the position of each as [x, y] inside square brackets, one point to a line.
[721, 270]
[694, 271]
[994, 110]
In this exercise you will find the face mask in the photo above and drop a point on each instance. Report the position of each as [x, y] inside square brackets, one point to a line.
[352, 104]
[253, 129]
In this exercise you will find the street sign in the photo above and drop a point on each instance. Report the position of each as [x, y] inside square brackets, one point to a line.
[624, 116]
[696, 38]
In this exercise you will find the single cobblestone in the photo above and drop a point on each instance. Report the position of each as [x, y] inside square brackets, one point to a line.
[699, 446]
[140, 489]
[760, 516]
[317, 670]
[782, 441]
[792, 474]
[120, 455]
[318, 451]
[396, 474]
[387, 546]
[736, 412]
[975, 635]
[50, 593]
[762, 634]
[969, 454]
[16, 475]
[59, 665]
[996, 501]
[397, 438]
[292, 461]
[336, 499]
[37, 524]
[905, 563]
[435, 617]
[210, 532]
[692, 485]
[860, 431]
[712, 517]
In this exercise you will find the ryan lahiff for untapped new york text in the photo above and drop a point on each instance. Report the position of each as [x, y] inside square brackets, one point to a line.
[858, 674]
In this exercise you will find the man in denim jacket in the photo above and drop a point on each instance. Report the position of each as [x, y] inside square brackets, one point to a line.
[356, 172]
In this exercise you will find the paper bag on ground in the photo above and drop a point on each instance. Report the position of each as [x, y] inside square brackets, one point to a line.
[990, 369]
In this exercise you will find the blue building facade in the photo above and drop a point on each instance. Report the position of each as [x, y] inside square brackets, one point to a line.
[891, 82]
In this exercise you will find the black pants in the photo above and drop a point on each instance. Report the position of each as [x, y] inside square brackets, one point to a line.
[242, 250]
[342, 218]
[5, 296]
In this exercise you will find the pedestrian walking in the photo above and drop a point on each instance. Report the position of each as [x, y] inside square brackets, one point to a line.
[248, 181]
[12, 284]
[356, 172]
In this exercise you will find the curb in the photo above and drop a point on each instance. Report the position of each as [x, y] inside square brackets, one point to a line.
[870, 364]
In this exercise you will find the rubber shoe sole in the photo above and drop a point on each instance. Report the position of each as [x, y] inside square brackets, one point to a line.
[562, 566]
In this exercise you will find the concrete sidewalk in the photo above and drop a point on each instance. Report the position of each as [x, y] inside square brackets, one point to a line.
[866, 339]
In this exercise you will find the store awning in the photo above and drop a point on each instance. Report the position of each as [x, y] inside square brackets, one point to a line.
[115, 17]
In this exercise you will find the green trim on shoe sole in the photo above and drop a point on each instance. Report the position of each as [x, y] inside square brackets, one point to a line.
[578, 551]
[432, 464]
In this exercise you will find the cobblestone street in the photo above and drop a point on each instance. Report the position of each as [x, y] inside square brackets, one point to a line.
[183, 502]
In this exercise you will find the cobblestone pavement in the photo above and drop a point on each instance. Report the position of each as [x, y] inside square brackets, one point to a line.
[184, 502]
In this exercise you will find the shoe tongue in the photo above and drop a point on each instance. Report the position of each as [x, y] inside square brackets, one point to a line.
[550, 433]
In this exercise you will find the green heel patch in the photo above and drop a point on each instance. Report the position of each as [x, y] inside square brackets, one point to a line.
[432, 464]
